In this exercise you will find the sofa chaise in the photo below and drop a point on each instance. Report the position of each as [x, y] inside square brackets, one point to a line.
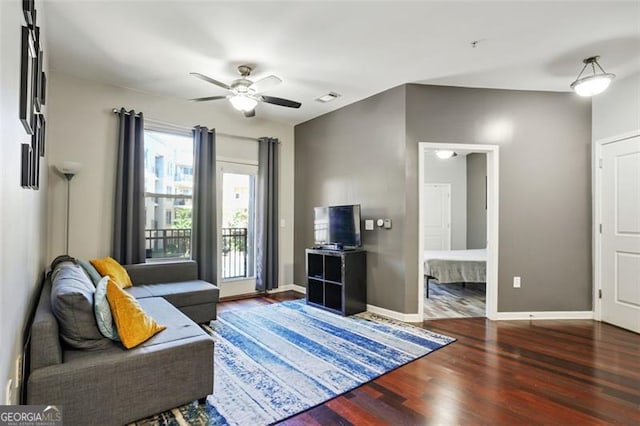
[115, 385]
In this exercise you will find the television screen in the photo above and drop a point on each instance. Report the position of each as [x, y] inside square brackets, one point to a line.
[338, 225]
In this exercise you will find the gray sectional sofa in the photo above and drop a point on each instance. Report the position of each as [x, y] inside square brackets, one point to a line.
[115, 385]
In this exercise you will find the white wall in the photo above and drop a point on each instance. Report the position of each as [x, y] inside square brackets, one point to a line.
[453, 171]
[22, 211]
[84, 129]
[617, 111]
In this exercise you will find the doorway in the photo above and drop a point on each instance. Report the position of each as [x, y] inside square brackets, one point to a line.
[236, 228]
[474, 269]
[617, 231]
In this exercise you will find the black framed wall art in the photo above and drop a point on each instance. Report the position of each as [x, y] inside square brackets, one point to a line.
[28, 60]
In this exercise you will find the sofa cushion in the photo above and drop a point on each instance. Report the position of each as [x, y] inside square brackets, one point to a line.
[117, 272]
[140, 291]
[184, 293]
[179, 328]
[134, 324]
[72, 295]
[102, 311]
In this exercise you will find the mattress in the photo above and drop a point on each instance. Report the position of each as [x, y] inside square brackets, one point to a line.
[456, 266]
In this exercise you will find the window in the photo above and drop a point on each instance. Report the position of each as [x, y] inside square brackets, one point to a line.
[168, 194]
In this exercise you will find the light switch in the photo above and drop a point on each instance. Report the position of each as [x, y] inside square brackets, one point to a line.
[282, 223]
[387, 224]
[368, 225]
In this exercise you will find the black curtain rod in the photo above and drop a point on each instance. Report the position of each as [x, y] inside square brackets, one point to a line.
[116, 111]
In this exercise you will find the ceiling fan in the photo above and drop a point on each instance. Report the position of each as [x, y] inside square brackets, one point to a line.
[245, 94]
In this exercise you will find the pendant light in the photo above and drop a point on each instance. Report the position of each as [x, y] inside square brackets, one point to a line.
[593, 82]
[444, 154]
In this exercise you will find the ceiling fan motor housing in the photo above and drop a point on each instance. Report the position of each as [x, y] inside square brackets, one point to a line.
[241, 85]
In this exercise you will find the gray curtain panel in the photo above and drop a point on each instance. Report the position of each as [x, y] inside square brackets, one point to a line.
[204, 235]
[129, 220]
[267, 215]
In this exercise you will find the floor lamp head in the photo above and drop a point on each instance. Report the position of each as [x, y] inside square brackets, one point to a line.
[69, 168]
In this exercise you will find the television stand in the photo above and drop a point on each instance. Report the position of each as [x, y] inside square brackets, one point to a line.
[337, 280]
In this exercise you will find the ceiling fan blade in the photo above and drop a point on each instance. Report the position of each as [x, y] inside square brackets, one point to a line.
[280, 101]
[209, 98]
[210, 80]
[265, 84]
[250, 114]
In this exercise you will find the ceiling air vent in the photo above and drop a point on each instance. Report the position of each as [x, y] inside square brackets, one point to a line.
[328, 97]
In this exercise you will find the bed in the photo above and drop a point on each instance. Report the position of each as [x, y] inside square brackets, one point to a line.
[455, 266]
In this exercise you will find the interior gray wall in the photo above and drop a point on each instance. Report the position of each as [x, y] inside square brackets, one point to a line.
[476, 200]
[617, 111]
[355, 155]
[545, 188]
[454, 172]
[23, 233]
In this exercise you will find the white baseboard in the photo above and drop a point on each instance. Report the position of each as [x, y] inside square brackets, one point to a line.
[544, 315]
[394, 314]
[288, 287]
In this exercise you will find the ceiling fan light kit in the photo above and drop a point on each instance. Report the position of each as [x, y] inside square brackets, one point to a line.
[593, 82]
[243, 103]
[246, 94]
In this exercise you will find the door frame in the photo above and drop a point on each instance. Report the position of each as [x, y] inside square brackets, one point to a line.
[493, 193]
[235, 286]
[597, 214]
[448, 185]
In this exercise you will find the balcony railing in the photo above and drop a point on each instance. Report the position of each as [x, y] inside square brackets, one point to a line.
[234, 252]
[176, 243]
[167, 243]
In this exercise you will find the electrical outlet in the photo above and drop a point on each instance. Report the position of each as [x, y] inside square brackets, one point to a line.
[516, 282]
[8, 393]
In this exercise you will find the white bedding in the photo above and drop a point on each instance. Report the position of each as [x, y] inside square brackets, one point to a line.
[474, 255]
[455, 266]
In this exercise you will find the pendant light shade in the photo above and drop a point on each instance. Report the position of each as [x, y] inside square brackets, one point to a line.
[593, 81]
[445, 154]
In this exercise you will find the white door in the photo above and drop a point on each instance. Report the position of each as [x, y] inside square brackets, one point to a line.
[620, 276]
[437, 211]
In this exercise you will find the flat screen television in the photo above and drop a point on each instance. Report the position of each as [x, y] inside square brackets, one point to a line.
[339, 225]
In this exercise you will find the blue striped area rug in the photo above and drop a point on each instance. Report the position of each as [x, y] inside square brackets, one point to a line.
[275, 361]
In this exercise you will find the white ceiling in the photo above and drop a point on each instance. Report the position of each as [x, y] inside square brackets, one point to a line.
[356, 48]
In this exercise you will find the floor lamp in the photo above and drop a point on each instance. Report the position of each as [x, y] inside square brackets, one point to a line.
[69, 169]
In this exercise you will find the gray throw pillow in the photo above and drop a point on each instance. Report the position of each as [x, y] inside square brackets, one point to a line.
[103, 311]
[72, 295]
[91, 271]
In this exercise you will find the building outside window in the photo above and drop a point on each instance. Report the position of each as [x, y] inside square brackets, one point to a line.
[168, 194]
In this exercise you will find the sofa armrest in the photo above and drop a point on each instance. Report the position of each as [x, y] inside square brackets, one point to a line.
[165, 272]
[118, 387]
[45, 348]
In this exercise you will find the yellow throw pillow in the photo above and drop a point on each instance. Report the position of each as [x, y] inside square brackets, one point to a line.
[109, 266]
[133, 324]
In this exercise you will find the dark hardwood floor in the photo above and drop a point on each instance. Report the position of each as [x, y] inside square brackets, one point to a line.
[504, 372]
